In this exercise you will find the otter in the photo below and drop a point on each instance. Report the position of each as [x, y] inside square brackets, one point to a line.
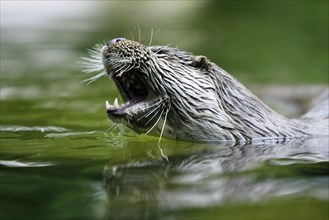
[174, 94]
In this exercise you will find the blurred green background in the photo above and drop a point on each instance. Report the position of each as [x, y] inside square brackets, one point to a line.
[257, 41]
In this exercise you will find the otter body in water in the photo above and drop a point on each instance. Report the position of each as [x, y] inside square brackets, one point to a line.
[172, 93]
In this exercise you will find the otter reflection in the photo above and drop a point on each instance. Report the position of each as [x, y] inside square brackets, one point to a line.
[228, 175]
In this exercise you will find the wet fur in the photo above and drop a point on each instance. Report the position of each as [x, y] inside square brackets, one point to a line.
[202, 101]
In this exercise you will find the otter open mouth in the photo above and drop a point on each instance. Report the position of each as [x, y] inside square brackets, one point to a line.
[143, 105]
[132, 90]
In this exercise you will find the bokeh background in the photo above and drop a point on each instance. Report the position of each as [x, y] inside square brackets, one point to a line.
[55, 138]
[257, 41]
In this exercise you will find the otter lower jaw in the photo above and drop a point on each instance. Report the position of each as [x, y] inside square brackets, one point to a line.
[139, 115]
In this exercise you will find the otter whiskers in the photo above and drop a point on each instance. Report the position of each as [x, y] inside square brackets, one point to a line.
[94, 78]
[147, 114]
[165, 104]
[93, 64]
[160, 104]
[125, 70]
[162, 129]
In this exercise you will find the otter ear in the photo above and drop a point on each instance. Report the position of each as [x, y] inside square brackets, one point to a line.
[200, 62]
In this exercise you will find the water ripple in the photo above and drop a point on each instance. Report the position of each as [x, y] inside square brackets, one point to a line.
[14, 163]
[18, 128]
[68, 134]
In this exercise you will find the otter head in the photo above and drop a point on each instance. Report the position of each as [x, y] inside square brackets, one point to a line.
[165, 90]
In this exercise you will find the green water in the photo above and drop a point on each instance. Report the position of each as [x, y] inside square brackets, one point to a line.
[62, 159]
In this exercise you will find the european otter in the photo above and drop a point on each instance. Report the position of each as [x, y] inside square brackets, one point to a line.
[172, 93]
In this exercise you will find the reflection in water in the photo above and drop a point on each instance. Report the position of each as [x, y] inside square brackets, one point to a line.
[229, 175]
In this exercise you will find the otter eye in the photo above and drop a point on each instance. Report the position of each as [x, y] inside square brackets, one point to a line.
[115, 40]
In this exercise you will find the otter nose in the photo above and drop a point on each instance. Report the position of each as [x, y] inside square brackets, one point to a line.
[115, 40]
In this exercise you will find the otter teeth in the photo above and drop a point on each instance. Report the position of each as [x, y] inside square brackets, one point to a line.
[114, 106]
[107, 105]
